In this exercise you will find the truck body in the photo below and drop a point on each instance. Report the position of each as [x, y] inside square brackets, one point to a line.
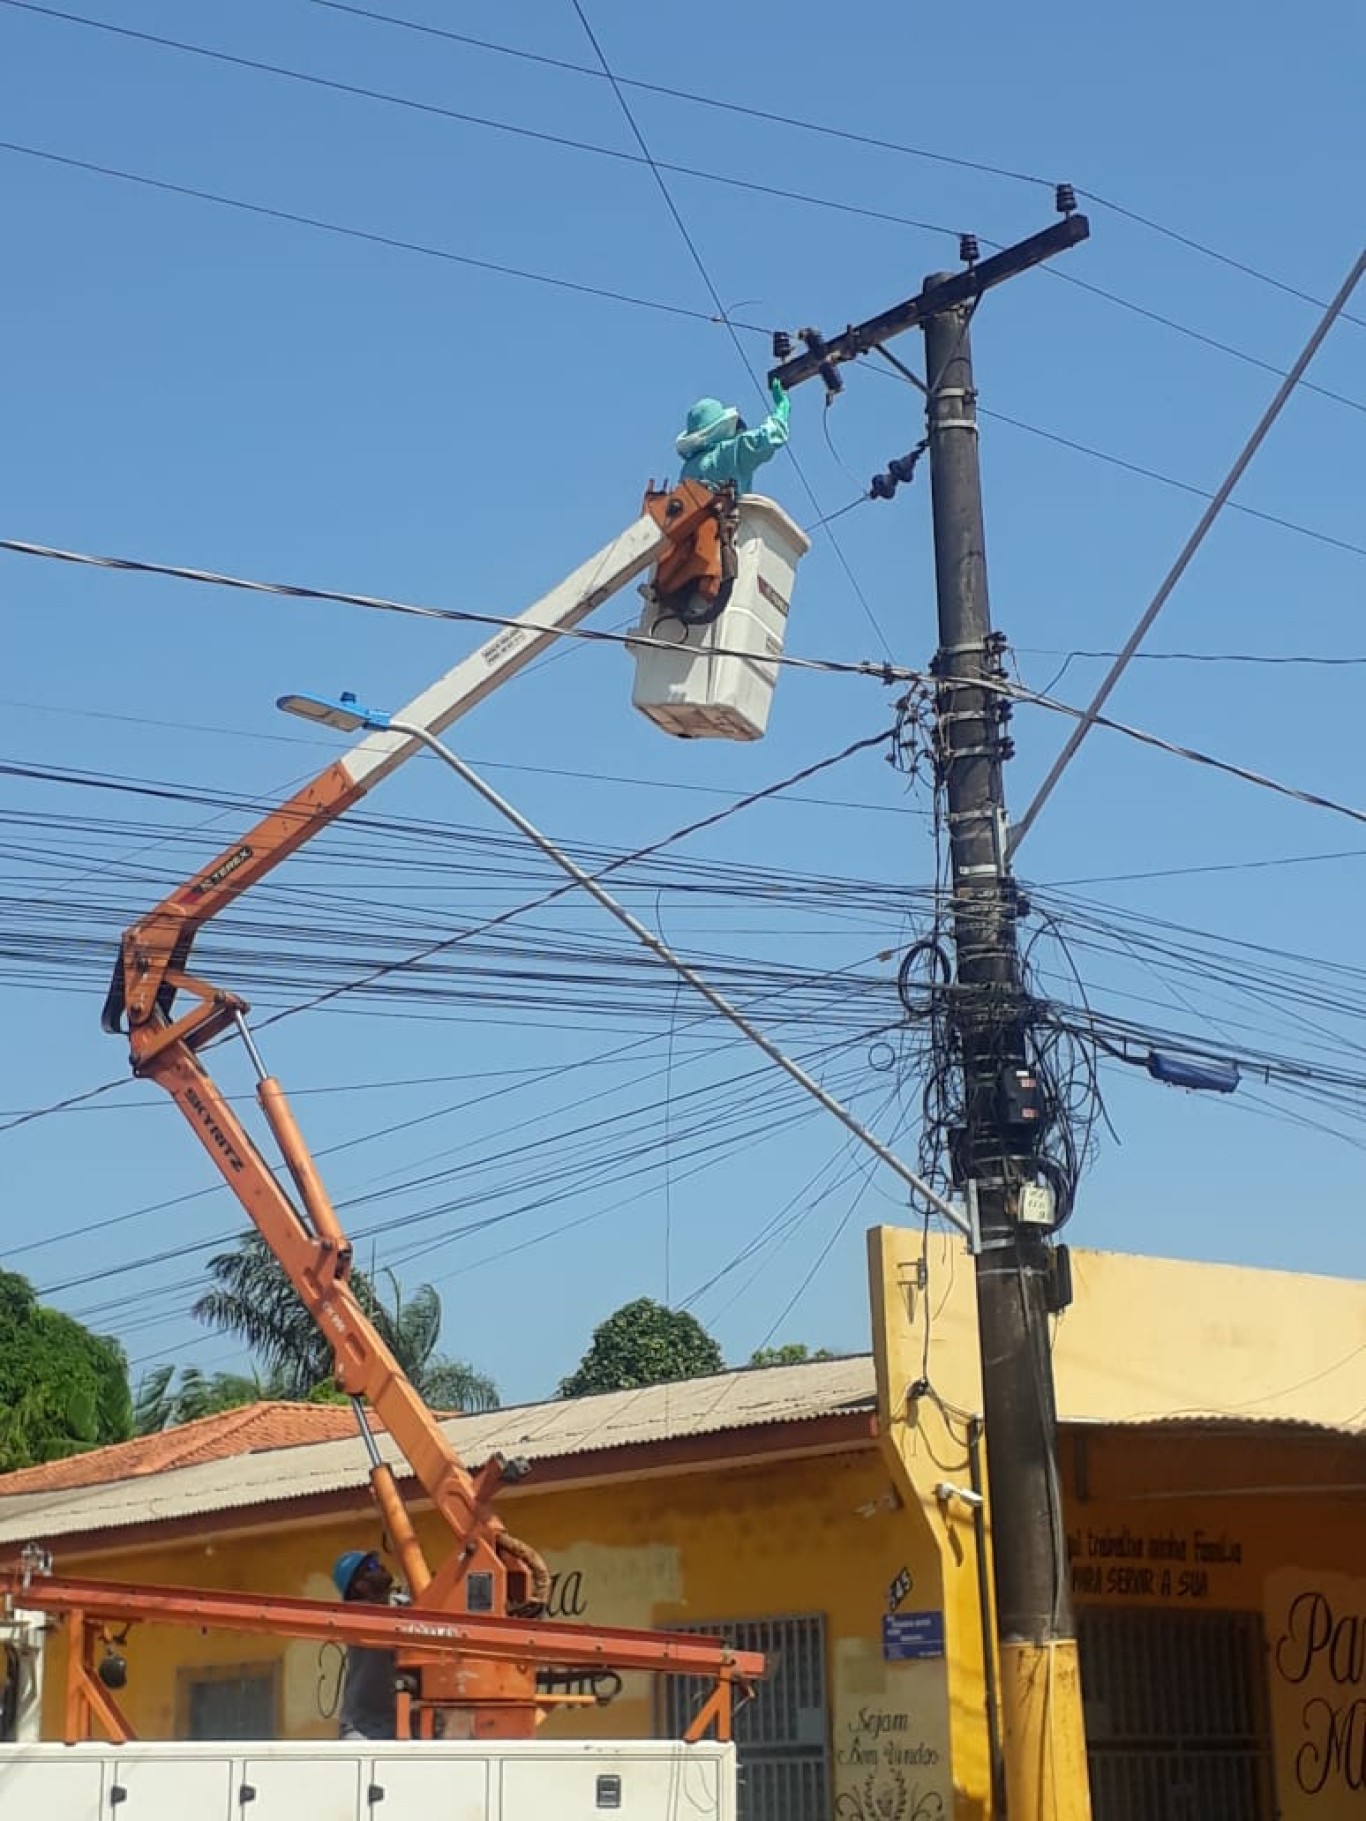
[269, 1780]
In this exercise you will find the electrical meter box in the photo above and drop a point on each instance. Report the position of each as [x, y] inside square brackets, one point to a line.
[715, 681]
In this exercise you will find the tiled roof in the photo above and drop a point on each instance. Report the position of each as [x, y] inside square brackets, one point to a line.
[250, 1429]
[236, 1479]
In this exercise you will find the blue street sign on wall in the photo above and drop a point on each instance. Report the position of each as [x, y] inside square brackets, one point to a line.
[908, 1635]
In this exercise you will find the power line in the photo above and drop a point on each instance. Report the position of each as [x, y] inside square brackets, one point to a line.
[823, 128]
[1329, 660]
[1155, 474]
[1188, 550]
[464, 936]
[397, 243]
[256, 737]
[658, 173]
[484, 122]
[1169, 480]
[1198, 335]
[1209, 252]
[767, 115]
[1218, 866]
[884, 672]
[561, 891]
[62, 1106]
[1196, 757]
[394, 242]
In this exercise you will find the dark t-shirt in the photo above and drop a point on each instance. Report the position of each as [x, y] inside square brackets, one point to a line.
[368, 1704]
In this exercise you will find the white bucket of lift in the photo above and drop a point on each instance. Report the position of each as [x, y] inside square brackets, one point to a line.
[716, 682]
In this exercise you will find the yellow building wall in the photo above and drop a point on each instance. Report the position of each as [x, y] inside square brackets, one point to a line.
[1183, 1519]
[1219, 1523]
[1187, 1517]
[816, 1536]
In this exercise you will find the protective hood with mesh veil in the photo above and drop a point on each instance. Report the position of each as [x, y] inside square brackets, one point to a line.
[709, 422]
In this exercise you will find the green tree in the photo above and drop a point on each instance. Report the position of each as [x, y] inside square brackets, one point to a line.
[254, 1301]
[644, 1344]
[62, 1388]
[161, 1403]
[791, 1353]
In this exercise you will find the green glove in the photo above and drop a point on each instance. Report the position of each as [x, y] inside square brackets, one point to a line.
[776, 392]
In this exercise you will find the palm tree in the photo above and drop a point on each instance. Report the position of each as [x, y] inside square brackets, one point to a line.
[161, 1404]
[254, 1301]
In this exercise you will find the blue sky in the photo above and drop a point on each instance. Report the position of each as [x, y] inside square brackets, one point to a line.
[200, 384]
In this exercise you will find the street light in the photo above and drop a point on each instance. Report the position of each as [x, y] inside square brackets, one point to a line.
[345, 713]
[348, 715]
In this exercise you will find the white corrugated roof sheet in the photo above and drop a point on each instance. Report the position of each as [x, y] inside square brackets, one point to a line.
[573, 1426]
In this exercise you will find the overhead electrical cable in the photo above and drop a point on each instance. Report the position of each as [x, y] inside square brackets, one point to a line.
[484, 122]
[883, 672]
[657, 171]
[1188, 550]
[395, 242]
[824, 128]
[384, 97]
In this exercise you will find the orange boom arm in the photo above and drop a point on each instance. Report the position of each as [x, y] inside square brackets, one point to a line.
[486, 1572]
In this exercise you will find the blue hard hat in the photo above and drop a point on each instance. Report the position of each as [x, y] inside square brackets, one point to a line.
[347, 1566]
[709, 421]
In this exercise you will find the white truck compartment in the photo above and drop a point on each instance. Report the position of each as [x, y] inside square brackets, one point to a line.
[301, 1780]
[716, 681]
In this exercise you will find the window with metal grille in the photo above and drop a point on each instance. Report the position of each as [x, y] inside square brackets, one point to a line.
[1177, 1715]
[782, 1736]
[229, 1701]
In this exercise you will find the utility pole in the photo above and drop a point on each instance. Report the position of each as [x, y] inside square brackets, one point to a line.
[1017, 1280]
[1021, 1277]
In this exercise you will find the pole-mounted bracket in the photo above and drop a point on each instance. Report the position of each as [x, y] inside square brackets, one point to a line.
[823, 357]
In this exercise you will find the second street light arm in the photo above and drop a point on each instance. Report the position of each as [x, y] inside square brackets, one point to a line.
[349, 716]
[716, 1000]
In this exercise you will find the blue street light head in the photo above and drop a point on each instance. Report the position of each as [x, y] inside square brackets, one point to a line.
[1207, 1075]
[344, 712]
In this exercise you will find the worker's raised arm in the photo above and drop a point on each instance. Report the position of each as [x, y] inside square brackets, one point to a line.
[769, 436]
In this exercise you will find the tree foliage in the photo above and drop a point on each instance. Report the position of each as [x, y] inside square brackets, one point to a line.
[644, 1343]
[162, 1403]
[62, 1388]
[791, 1353]
[254, 1301]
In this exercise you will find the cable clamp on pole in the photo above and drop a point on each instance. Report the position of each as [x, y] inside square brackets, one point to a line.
[974, 1219]
[955, 651]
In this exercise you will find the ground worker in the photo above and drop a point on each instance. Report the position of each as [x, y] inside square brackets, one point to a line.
[369, 1704]
[718, 448]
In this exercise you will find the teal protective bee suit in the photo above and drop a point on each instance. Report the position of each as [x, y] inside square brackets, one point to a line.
[718, 448]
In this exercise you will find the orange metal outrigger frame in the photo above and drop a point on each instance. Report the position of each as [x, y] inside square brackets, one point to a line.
[421, 1641]
[490, 1578]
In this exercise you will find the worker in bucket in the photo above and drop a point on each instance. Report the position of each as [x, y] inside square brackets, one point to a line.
[369, 1703]
[718, 447]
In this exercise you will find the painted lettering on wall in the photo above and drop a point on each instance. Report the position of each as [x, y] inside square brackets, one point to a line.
[1115, 1562]
[568, 1595]
[882, 1760]
[1321, 1650]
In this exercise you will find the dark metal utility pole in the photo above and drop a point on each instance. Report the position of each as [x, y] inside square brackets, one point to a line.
[996, 1151]
[996, 1146]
